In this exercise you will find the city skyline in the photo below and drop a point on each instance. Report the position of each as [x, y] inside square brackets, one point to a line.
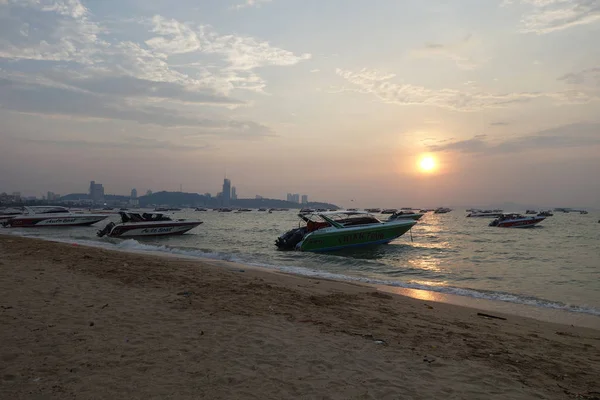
[425, 103]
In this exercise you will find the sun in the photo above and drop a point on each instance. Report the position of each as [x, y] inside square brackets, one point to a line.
[427, 164]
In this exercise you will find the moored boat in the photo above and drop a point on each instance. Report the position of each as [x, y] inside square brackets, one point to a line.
[442, 210]
[405, 215]
[389, 211]
[328, 231]
[147, 224]
[373, 210]
[516, 221]
[46, 216]
[9, 213]
[484, 214]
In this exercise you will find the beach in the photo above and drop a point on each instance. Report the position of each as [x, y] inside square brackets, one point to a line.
[88, 323]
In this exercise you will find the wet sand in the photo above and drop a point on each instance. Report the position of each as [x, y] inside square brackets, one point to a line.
[87, 323]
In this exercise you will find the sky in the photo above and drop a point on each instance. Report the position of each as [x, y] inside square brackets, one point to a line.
[337, 99]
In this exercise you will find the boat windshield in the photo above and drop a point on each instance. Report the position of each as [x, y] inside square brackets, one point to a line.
[145, 217]
[47, 210]
[348, 218]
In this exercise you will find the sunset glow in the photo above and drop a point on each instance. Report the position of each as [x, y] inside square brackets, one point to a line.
[427, 164]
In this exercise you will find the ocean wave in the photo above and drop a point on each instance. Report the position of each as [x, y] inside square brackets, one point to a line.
[132, 245]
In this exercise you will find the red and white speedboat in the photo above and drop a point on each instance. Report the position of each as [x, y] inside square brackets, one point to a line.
[516, 221]
[9, 213]
[45, 216]
[147, 224]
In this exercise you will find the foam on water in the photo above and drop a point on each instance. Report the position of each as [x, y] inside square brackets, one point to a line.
[133, 246]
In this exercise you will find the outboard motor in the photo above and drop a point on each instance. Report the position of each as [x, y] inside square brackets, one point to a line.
[106, 229]
[289, 240]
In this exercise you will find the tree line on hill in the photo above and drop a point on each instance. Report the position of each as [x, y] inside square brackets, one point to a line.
[181, 199]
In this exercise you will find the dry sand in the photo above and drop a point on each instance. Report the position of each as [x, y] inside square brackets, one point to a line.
[86, 323]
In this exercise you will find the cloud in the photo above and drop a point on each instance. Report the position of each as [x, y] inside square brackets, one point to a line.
[137, 143]
[40, 99]
[460, 52]
[567, 136]
[499, 123]
[375, 83]
[64, 32]
[315, 70]
[249, 3]
[67, 33]
[590, 76]
[548, 16]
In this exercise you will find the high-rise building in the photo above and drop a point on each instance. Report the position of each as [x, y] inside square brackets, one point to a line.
[259, 197]
[134, 193]
[233, 193]
[296, 198]
[226, 192]
[96, 192]
[52, 196]
[149, 192]
[304, 199]
[290, 197]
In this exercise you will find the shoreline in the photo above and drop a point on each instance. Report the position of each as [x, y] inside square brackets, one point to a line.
[547, 314]
[84, 322]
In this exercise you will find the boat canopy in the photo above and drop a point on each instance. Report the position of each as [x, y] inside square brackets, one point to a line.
[340, 219]
[46, 209]
[145, 217]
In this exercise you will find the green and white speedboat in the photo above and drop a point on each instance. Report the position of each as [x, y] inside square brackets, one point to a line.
[335, 230]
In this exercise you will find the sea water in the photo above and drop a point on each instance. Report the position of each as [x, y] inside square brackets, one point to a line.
[555, 265]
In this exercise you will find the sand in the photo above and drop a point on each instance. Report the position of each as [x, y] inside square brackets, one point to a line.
[85, 323]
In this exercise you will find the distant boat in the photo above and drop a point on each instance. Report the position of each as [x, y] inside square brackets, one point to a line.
[405, 215]
[373, 210]
[545, 214]
[389, 211]
[484, 214]
[516, 221]
[43, 216]
[200, 209]
[442, 210]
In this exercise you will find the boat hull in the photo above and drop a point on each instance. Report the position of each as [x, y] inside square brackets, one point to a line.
[140, 230]
[522, 223]
[336, 239]
[56, 221]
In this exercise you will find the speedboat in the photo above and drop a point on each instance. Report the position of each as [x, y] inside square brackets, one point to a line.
[545, 214]
[147, 224]
[516, 221]
[405, 215]
[531, 212]
[484, 214]
[442, 210]
[327, 231]
[373, 210]
[45, 216]
[9, 213]
[200, 209]
[389, 211]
